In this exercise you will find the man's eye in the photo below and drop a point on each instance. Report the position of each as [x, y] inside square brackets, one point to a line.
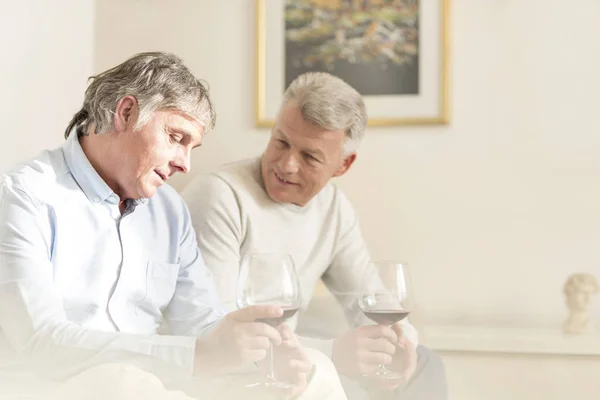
[175, 139]
[281, 142]
[312, 158]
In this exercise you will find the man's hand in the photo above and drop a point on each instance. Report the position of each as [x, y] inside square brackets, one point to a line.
[290, 361]
[364, 349]
[405, 359]
[361, 350]
[236, 340]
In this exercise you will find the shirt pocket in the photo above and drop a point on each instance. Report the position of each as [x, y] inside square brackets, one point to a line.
[161, 280]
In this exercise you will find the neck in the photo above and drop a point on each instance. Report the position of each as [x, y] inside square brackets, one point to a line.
[98, 150]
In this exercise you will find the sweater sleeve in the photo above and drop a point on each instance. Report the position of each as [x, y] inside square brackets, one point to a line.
[216, 218]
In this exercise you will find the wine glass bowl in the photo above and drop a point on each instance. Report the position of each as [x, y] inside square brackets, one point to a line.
[269, 279]
[385, 298]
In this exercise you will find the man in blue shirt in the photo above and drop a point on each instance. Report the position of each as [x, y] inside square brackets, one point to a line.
[98, 255]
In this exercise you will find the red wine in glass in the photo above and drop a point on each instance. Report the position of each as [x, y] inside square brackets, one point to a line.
[269, 279]
[276, 321]
[386, 317]
[385, 298]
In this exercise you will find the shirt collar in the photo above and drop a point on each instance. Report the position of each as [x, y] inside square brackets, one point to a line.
[85, 175]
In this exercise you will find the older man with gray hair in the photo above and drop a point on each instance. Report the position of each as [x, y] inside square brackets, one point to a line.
[283, 202]
[97, 253]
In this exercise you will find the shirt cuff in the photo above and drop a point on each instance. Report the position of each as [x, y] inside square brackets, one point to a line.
[177, 351]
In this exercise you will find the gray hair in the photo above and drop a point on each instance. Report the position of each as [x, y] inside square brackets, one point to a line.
[158, 81]
[330, 103]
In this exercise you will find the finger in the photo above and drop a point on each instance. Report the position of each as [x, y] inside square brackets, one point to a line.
[254, 355]
[286, 332]
[300, 366]
[379, 331]
[256, 312]
[389, 384]
[256, 343]
[373, 358]
[292, 346]
[397, 328]
[297, 354]
[262, 329]
[402, 342]
[300, 384]
[381, 345]
[399, 331]
[367, 368]
[411, 360]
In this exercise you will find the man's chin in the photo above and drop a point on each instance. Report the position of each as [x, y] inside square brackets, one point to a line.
[278, 196]
[147, 192]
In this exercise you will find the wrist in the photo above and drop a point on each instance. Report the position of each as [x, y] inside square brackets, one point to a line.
[336, 353]
[204, 359]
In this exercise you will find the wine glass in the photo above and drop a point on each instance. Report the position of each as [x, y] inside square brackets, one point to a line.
[385, 298]
[269, 279]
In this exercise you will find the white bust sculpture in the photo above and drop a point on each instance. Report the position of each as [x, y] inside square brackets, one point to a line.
[578, 290]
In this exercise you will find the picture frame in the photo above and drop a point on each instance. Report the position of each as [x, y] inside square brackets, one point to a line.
[394, 52]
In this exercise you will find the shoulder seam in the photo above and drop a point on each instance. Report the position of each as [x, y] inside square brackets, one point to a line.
[25, 192]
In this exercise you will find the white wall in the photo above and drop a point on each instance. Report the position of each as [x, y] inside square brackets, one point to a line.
[47, 55]
[492, 211]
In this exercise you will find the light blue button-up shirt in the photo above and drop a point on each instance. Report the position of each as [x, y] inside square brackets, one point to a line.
[82, 284]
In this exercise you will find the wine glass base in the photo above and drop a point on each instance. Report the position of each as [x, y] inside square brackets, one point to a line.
[385, 375]
[271, 385]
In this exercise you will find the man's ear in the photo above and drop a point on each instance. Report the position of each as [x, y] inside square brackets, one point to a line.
[125, 113]
[346, 163]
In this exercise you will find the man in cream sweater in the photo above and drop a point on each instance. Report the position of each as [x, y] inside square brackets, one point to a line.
[283, 202]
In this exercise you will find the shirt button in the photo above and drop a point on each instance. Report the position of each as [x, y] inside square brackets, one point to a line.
[96, 199]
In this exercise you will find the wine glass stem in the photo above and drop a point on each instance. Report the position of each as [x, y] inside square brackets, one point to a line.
[271, 370]
[381, 368]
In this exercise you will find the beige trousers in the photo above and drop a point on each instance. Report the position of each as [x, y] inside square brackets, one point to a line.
[126, 382]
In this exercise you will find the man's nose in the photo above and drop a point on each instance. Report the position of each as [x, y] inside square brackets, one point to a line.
[288, 163]
[182, 161]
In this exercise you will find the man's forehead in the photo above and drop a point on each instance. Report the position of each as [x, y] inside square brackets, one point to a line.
[309, 136]
[291, 121]
[185, 123]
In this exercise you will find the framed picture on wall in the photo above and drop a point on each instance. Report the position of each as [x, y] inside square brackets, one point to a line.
[394, 52]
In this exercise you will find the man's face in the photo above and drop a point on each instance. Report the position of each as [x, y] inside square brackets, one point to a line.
[154, 153]
[300, 158]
